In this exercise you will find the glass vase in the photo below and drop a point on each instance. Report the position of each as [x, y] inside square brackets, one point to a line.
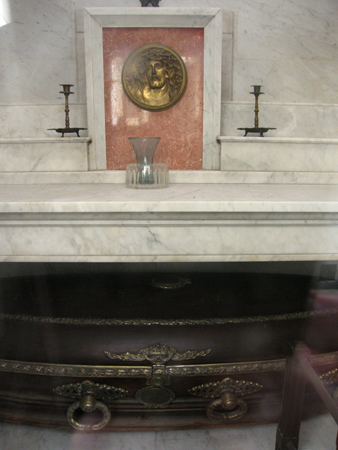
[146, 174]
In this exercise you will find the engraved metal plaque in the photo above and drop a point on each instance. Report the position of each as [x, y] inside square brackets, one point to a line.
[155, 396]
[154, 77]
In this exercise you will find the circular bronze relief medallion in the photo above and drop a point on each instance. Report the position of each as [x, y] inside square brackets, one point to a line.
[154, 77]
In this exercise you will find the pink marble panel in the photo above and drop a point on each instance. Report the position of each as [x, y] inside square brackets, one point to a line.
[179, 127]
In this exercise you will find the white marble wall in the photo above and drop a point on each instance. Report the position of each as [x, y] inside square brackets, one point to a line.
[44, 155]
[266, 154]
[289, 47]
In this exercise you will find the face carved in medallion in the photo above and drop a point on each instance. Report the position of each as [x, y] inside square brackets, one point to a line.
[154, 77]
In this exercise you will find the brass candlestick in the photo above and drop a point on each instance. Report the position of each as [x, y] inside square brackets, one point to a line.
[66, 92]
[256, 129]
[257, 92]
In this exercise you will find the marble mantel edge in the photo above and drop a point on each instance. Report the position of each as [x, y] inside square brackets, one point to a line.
[103, 223]
[176, 177]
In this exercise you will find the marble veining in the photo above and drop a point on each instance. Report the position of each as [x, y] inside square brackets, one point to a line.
[191, 222]
[293, 30]
[279, 154]
[37, 54]
[289, 47]
[34, 121]
[176, 177]
[295, 76]
[44, 155]
[292, 120]
[177, 198]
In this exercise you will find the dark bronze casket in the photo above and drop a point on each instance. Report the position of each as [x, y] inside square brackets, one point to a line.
[150, 350]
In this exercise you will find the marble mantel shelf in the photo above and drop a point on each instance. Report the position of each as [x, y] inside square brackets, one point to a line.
[179, 198]
[187, 222]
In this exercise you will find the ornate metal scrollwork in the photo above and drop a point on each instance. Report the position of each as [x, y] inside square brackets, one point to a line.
[158, 354]
[156, 395]
[89, 394]
[227, 404]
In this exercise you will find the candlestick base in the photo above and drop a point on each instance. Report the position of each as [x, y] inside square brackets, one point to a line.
[259, 130]
[63, 131]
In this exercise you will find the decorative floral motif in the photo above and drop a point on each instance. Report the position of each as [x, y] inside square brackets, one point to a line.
[158, 354]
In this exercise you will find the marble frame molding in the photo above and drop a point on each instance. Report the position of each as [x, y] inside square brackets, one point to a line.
[209, 19]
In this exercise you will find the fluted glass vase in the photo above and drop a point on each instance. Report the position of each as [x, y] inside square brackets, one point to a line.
[146, 174]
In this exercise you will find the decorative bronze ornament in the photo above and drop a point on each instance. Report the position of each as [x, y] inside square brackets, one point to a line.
[154, 77]
[214, 390]
[99, 391]
[226, 405]
[158, 354]
[92, 371]
[88, 394]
